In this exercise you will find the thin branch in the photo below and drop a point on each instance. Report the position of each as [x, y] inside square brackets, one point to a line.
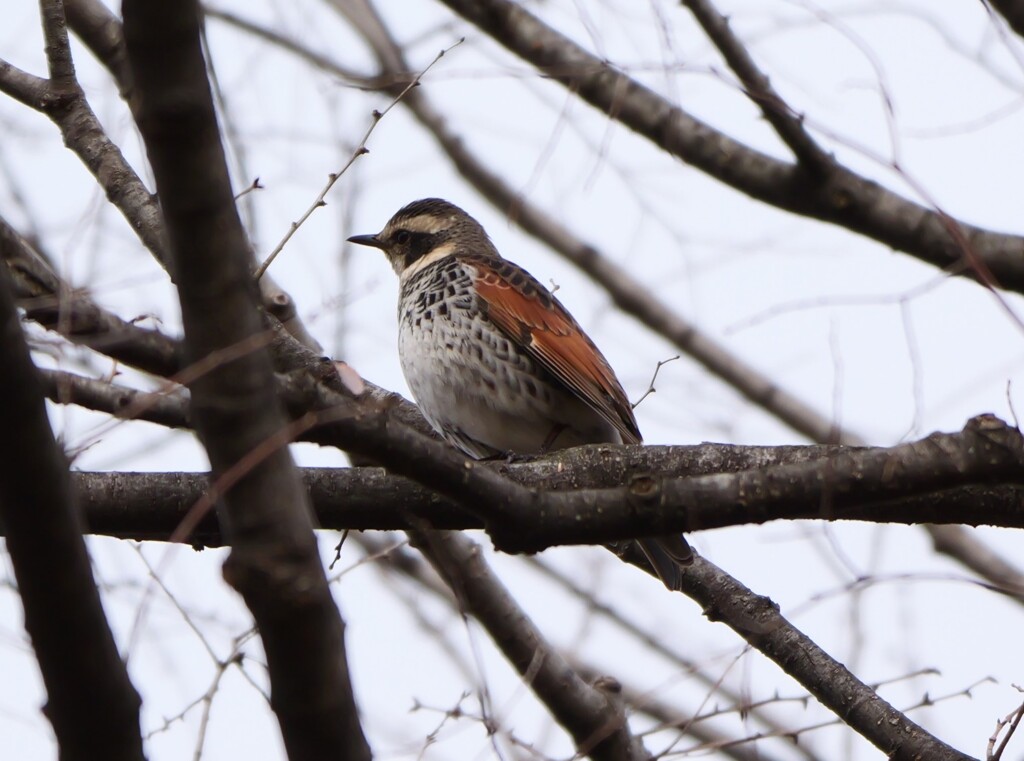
[25, 88]
[359, 150]
[58, 50]
[1010, 723]
[65, 104]
[647, 703]
[959, 544]
[168, 409]
[627, 292]
[598, 727]
[787, 124]
[650, 386]
[294, 46]
[741, 747]
[101, 31]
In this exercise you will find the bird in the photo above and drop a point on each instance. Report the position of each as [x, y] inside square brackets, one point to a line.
[496, 364]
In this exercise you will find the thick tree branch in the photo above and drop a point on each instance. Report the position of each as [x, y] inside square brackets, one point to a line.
[841, 197]
[1013, 12]
[265, 513]
[92, 704]
[985, 453]
[758, 621]
[973, 477]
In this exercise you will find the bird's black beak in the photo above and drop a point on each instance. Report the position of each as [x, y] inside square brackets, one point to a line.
[367, 240]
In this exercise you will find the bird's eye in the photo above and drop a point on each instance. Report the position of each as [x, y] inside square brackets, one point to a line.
[402, 237]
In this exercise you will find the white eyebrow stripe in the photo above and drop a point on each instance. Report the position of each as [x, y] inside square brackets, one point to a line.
[424, 223]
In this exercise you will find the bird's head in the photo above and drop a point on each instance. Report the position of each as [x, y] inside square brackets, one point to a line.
[425, 231]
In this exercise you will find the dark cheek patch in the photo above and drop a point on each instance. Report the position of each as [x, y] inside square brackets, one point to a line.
[421, 244]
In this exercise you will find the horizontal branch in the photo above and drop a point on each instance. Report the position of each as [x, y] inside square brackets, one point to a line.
[973, 477]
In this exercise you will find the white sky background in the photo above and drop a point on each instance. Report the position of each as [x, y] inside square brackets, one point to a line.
[813, 306]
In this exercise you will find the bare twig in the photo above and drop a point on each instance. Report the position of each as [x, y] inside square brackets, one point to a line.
[1008, 723]
[360, 150]
[597, 726]
[650, 386]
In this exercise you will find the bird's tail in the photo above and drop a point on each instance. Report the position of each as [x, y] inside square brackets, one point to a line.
[668, 556]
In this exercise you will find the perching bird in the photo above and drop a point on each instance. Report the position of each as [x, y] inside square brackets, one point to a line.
[495, 362]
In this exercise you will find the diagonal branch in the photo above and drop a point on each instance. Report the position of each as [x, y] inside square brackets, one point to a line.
[787, 124]
[626, 291]
[25, 88]
[118, 401]
[597, 725]
[64, 102]
[1012, 11]
[758, 620]
[842, 197]
[411, 566]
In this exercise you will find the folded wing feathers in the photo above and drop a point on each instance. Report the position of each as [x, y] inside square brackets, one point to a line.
[524, 310]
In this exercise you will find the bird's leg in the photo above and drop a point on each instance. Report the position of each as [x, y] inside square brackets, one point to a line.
[556, 429]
